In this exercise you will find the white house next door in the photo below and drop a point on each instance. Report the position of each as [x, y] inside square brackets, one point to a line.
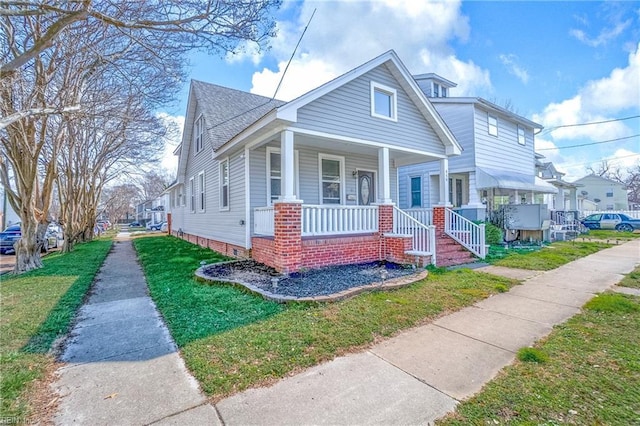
[366, 188]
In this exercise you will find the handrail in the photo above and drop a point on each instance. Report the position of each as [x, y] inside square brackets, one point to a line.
[338, 219]
[465, 232]
[422, 215]
[423, 236]
[263, 221]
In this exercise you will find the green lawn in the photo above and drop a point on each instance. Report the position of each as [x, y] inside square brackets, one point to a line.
[632, 279]
[591, 375]
[232, 340]
[37, 308]
[609, 235]
[549, 257]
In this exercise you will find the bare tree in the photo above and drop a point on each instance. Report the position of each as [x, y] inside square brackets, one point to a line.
[60, 59]
[119, 201]
[629, 177]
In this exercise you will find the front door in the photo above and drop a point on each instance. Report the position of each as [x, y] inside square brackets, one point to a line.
[366, 188]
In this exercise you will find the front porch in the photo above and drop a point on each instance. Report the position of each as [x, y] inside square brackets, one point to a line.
[294, 236]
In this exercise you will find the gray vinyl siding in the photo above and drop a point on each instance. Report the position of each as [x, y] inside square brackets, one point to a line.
[213, 223]
[503, 152]
[346, 111]
[405, 174]
[460, 120]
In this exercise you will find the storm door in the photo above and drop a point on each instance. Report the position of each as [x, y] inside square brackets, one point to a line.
[366, 188]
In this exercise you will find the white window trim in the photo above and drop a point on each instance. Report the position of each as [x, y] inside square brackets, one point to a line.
[221, 177]
[522, 141]
[275, 150]
[198, 138]
[192, 195]
[394, 101]
[202, 196]
[489, 117]
[321, 157]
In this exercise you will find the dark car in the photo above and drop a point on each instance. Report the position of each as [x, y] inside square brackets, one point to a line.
[617, 221]
[8, 237]
[135, 225]
[13, 233]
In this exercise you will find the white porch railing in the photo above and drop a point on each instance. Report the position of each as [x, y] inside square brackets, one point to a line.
[424, 216]
[336, 220]
[424, 236]
[263, 223]
[467, 233]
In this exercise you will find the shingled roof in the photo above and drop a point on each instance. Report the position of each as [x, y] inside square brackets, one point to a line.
[228, 112]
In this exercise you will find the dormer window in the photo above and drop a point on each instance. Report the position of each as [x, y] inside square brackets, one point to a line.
[383, 102]
[436, 90]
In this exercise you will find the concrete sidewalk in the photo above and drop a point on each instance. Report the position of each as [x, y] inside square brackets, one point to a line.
[123, 367]
[421, 374]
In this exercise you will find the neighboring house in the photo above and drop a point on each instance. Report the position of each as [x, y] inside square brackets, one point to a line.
[606, 194]
[311, 182]
[497, 165]
[567, 196]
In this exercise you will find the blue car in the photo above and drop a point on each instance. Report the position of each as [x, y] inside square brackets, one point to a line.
[617, 221]
[8, 238]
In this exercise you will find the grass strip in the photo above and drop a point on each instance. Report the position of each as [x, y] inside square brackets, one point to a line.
[591, 374]
[37, 308]
[632, 279]
[232, 340]
[550, 257]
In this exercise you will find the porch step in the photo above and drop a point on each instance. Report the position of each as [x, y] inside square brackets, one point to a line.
[449, 252]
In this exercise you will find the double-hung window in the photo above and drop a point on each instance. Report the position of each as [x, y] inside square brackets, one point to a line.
[521, 137]
[198, 134]
[201, 198]
[384, 102]
[492, 122]
[192, 195]
[224, 184]
[331, 179]
[416, 191]
[274, 170]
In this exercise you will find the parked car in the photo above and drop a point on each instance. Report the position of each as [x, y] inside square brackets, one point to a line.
[13, 233]
[617, 221]
[135, 225]
[8, 237]
[155, 226]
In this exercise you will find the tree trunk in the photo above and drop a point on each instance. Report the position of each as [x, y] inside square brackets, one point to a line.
[27, 248]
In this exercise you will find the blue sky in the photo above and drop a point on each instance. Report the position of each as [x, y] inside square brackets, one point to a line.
[556, 63]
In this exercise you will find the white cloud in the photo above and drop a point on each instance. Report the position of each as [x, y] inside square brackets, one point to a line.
[510, 62]
[598, 100]
[606, 34]
[345, 34]
[245, 50]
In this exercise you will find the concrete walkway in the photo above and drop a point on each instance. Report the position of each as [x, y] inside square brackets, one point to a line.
[124, 369]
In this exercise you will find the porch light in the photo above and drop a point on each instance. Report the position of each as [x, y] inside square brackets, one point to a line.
[354, 174]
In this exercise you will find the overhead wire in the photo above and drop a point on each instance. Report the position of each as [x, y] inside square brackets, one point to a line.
[552, 128]
[587, 144]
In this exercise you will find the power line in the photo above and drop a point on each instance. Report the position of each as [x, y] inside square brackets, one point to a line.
[587, 144]
[597, 161]
[550, 129]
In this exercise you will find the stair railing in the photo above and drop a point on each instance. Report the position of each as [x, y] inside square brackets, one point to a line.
[468, 234]
[423, 236]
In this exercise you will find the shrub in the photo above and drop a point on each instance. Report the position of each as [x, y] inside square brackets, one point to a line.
[492, 234]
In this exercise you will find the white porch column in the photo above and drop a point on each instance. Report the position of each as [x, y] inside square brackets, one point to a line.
[474, 199]
[516, 197]
[384, 179]
[560, 199]
[444, 182]
[287, 164]
[573, 199]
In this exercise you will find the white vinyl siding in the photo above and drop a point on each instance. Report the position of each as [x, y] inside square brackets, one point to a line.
[224, 185]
